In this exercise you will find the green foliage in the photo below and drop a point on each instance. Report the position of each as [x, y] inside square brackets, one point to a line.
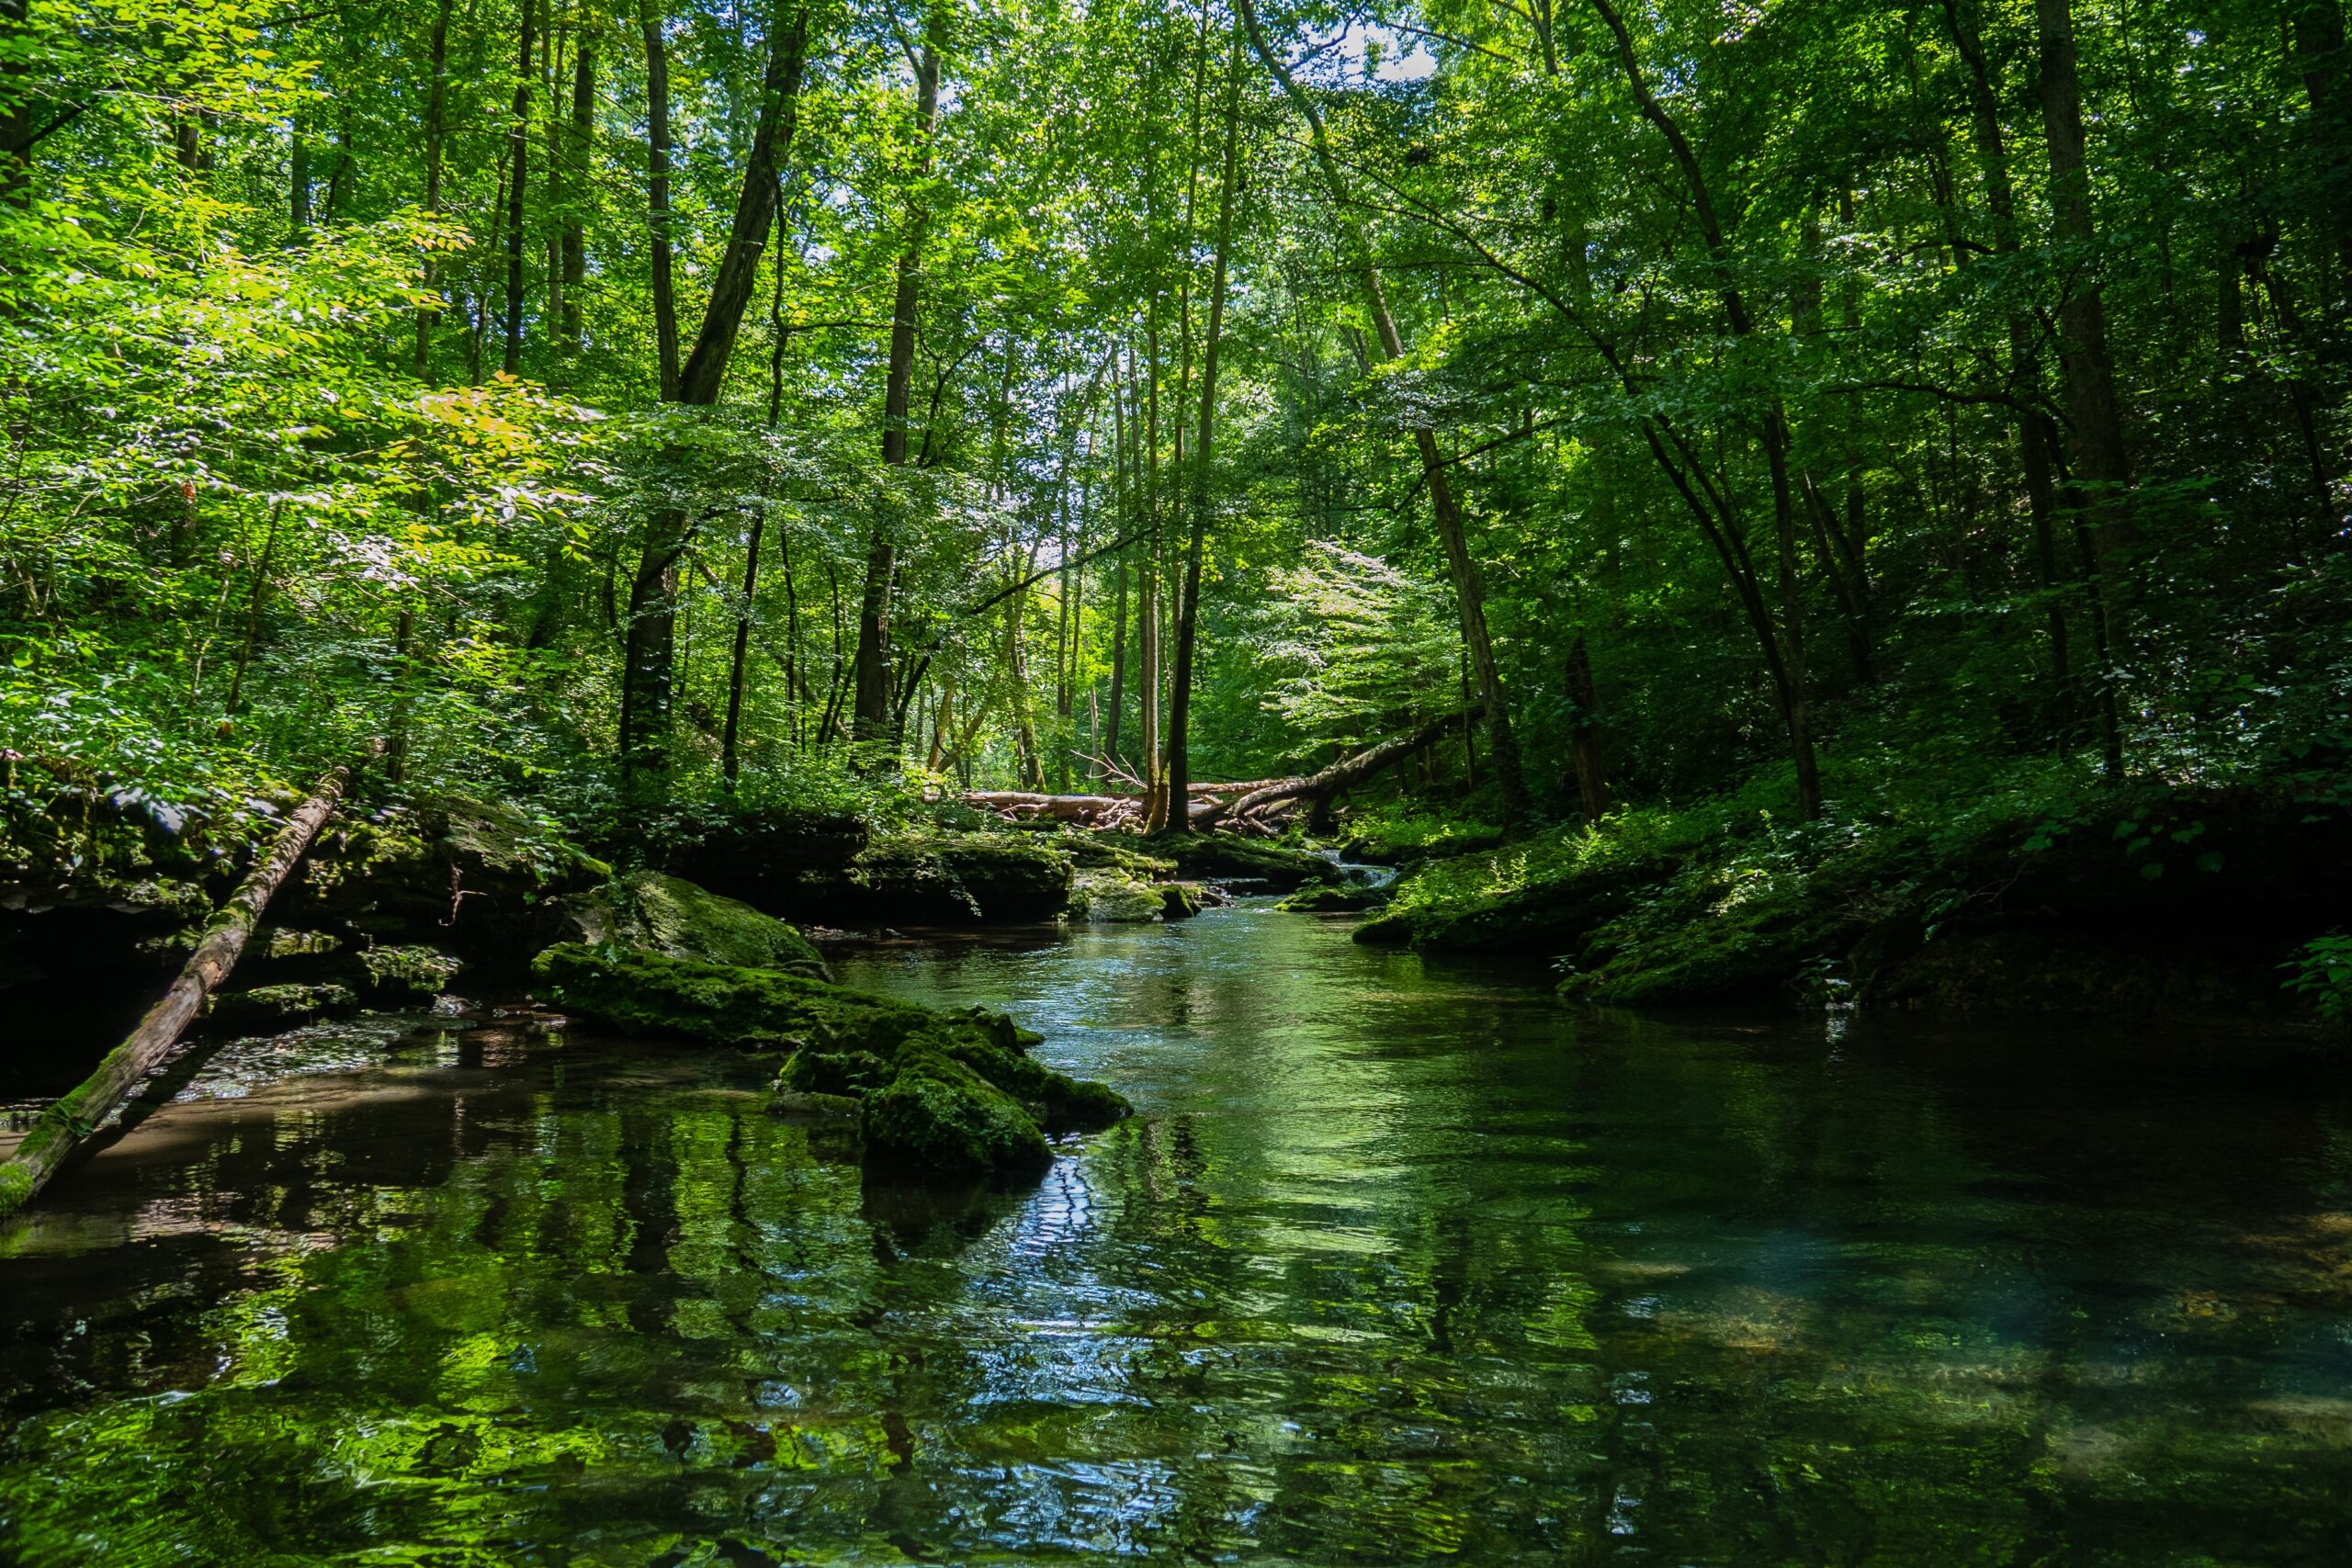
[2320, 974]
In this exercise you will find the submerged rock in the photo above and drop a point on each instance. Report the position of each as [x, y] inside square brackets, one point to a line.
[671, 916]
[946, 1094]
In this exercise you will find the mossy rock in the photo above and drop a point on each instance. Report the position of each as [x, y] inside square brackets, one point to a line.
[637, 989]
[1228, 857]
[267, 1009]
[938, 1117]
[1324, 898]
[1115, 898]
[1182, 900]
[408, 974]
[672, 917]
[944, 1093]
[1092, 851]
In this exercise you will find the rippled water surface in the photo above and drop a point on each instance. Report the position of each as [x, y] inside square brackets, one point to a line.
[1398, 1264]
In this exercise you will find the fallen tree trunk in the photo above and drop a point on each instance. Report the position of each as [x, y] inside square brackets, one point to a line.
[1339, 775]
[68, 1124]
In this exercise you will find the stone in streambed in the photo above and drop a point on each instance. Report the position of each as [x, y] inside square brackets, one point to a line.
[671, 916]
[1332, 898]
[1115, 897]
[938, 1116]
[760, 1009]
[939, 1094]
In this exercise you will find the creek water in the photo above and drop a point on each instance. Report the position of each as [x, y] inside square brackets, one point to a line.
[1397, 1263]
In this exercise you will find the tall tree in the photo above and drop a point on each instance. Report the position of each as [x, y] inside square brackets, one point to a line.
[873, 656]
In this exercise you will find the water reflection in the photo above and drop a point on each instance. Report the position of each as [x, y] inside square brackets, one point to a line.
[1397, 1266]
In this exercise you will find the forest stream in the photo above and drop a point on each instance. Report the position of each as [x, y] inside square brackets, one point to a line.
[1399, 1261]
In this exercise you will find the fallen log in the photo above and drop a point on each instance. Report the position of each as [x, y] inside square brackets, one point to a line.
[1339, 775]
[73, 1121]
[1028, 803]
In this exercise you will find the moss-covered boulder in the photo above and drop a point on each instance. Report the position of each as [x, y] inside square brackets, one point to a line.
[479, 879]
[941, 1093]
[768, 1010]
[672, 917]
[1114, 896]
[1331, 897]
[1182, 900]
[937, 1115]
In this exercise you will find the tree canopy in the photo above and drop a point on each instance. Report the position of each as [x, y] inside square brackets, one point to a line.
[764, 401]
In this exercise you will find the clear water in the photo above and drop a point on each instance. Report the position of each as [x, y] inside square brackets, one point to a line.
[1399, 1264]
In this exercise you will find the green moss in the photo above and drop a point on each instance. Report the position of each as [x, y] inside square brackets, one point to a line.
[761, 1008]
[944, 1093]
[678, 919]
[845, 1073]
[1182, 900]
[938, 1117]
[409, 972]
[1115, 897]
[1280, 866]
[281, 1007]
[1329, 898]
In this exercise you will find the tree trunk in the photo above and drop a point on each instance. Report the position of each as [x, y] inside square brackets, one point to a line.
[872, 722]
[2318, 31]
[2094, 419]
[518, 159]
[1789, 663]
[1147, 593]
[68, 1124]
[2033, 441]
[436, 130]
[741, 650]
[1180, 696]
[657, 192]
[1345, 774]
[648, 675]
[1122, 461]
[1584, 733]
[581, 152]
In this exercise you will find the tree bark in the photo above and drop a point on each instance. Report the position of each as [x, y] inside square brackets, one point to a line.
[2317, 28]
[1180, 695]
[657, 192]
[580, 149]
[2025, 373]
[518, 156]
[650, 648]
[2094, 419]
[872, 721]
[1790, 666]
[68, 1124]
[436, 130]
[1345, 774]
[1584, 733]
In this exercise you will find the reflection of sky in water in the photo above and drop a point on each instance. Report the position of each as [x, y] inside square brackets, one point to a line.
[1399, 1264]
